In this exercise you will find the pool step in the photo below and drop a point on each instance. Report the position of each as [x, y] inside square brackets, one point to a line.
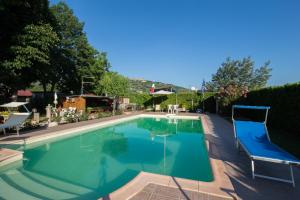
[28, 185]
[9, 192]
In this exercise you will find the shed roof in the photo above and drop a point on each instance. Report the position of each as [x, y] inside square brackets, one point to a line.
[24, 93]
[90, 96]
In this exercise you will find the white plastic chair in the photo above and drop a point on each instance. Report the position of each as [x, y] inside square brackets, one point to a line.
[175, 109]
[157, 108]
[170, 108]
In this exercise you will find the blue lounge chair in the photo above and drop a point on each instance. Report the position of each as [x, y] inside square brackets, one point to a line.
[253, 137]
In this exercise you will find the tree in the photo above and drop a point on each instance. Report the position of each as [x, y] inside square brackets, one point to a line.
[14, 17]
[31, 55]
[235, 77]
[112, 84]
[74, 56]
[96, 71]
[45, 46]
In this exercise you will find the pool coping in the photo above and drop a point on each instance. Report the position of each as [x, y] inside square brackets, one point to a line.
[9, 156]
[220, 186]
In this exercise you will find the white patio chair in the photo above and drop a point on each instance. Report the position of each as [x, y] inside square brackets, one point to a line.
[175, 108]
[157, 108]
[170, 108]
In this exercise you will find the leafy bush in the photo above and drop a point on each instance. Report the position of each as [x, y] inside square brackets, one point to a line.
[84, 116]
[71, 116]
[118, 112]
[104, 114]
[139, 99]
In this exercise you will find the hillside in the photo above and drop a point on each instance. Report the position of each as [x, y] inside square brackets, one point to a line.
[136, 86]
[143, 86]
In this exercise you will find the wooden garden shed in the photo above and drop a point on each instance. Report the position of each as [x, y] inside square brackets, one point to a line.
[82, 102]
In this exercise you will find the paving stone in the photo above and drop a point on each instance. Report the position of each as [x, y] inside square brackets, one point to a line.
[161, 197]
[141, 196]
[190, 195]
[150, 188]
[167, 191]
[159, 192]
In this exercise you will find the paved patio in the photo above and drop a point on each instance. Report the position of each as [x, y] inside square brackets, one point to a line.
[45, 130]
[159, 192]
[238, 167]
[220, 141]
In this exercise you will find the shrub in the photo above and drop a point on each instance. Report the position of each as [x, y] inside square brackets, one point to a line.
[118, 112]
[71, 116]
[139, 99]
[104, 114]
[84, 116]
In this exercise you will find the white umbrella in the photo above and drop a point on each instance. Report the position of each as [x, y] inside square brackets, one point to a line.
[55, 99]
[163, 92]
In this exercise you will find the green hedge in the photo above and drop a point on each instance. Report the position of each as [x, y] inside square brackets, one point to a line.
[139, 99]
[183, 99]
[285, 105]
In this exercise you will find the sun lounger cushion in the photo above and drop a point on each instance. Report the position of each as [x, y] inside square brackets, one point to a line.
[253, 137]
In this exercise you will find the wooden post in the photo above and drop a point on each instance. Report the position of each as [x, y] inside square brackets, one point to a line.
[114, 106]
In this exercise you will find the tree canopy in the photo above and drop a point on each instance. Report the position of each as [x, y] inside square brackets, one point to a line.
[45, 46]
[236, 77]
[241, 73]
[21, 22]
[31, 54]
[74, 56]
[113, 84]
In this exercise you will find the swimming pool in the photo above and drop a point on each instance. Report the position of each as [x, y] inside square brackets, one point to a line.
[95, 163]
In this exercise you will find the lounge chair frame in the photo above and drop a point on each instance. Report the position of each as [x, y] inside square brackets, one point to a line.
[265, 159]
[15, 125]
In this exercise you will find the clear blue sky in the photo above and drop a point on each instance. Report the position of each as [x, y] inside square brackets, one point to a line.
[182, 42]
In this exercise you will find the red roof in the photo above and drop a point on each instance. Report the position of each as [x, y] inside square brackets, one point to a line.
[24, 93]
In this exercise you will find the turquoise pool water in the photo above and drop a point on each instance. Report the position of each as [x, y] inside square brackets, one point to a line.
[95, 163]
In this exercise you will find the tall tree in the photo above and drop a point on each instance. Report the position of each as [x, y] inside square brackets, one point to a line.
[15, 15]
[44, 46]
[113, 84]
[31, 54]
[96, 71]
[74, 55]
[235, 77]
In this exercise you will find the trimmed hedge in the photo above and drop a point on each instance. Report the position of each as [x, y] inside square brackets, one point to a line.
[183, 99]
[285, 105]
[139, 99]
